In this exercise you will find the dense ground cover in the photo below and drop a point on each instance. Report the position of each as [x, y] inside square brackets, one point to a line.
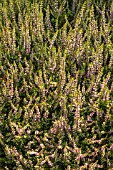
[56, 85]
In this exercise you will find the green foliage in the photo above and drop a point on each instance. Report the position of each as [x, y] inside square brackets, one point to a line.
[56, 84]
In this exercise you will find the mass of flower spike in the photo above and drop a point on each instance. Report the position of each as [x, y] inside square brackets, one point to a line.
[56, 85]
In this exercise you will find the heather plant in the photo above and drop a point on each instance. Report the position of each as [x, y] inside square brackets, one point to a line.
[56, 85]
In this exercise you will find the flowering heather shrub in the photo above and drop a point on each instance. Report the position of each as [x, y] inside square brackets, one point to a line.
[56, 85]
